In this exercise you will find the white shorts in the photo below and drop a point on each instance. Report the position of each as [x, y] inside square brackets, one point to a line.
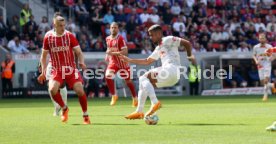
[166, 75]
[264, 72]
[48, 71]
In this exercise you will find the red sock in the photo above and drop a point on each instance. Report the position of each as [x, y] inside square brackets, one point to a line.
[58, 99]
[132, 89]
[110, 85]
[83, 103]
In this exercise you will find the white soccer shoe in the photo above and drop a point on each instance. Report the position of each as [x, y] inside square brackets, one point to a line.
[272, 127]
[56, 111]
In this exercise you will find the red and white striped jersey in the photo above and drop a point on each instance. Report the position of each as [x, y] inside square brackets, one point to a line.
[116, 44]
[60, 49]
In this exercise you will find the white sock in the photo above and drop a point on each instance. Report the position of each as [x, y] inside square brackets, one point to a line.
[142, 97]
[85, 114]
[63, 93]
[265, 90]
[150, 90]
[56, 105]
[270, 85]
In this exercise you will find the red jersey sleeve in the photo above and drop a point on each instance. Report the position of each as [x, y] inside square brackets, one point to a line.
[121, 43]
[74, 42]
[45, 43]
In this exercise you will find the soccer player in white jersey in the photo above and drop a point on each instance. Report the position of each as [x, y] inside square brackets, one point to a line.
[263, 62]
[164, 76]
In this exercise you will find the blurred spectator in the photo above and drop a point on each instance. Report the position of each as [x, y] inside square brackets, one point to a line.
[254, 76]
[259, 25]
[7, 70]
[270, 25]
[84, 42]
[108, 18]
[118, 7]
[270, 17]
[154, 17]
[96, 22]
[232, 48]
[216, 36]
[236, 80]
[144, 16]
[31, 23]
[25, 14]
[15, 21]
[131, 24]
[28, 43]
[179, 23]
[175, 9]
[243, 47]
[147, 48]
[81, 13]
[120, 16]
[44, 23]
[123, 32]
[167, 16]
[142, 4]
[3, 30]
[12, 33]
[17, 47]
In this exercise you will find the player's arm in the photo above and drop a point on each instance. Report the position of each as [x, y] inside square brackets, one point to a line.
[147, 61]
[43, 61]
[188, 46]
[255, 56]
[79, 54]
[122, 52]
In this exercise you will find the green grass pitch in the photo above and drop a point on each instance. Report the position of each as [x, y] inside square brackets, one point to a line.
[183, 120]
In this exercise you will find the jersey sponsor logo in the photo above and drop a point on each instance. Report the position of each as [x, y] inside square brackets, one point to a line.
[58, 49]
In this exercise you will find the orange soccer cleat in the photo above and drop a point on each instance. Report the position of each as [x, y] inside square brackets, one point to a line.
[64, 117]
[113, 100]
[134, 102]
[86, 120]
[135, 115]
[154, 108]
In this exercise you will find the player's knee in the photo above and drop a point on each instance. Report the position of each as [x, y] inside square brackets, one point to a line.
[79, 91]
[53, 91]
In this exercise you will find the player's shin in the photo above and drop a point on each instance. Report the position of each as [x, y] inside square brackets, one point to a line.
[58, 99]
[132, 89]
[142, 97]
[83, 103]
[63, 93]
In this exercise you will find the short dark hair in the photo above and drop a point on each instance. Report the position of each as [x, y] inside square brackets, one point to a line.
[155, 27]
[57, 14]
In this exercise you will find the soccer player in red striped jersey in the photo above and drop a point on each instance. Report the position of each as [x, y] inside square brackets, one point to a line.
[61, 45]
[116, 45]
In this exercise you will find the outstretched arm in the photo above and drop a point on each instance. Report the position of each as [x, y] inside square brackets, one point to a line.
[188, 46]
[147, 61]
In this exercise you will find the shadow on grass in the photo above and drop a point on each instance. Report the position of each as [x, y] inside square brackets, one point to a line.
[204, 124]
[105, 124]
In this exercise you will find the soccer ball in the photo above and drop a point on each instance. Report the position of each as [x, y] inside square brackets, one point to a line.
[151, 120]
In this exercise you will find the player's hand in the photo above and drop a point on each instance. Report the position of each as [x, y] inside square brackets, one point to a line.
[191, 58]
[41, 78]
[83, 66]
[124, 58]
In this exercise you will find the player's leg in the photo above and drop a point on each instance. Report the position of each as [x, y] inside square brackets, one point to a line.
[266, 82]
[109, 77]
[54, 86]
[63, 93]
[146, 88]
[272, 127]
[78, 88]
[125, 74]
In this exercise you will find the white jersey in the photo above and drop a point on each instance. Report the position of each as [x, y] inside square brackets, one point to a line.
[259, 52]
[167, 51]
